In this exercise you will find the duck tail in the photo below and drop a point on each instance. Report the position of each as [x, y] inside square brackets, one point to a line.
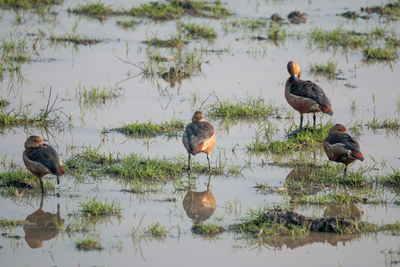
[327, 110]
[358, 155]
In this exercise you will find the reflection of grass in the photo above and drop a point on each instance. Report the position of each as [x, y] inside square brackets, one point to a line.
[250, 108]
[307, 138]
[74, 38]
[391, 9]
[198, 31]
[170, 128]
[156, 230]
[4, 223]
[14, 54]
[88, 244]
[380, 53]
[95, 207]
[175, 41]
[127, 23]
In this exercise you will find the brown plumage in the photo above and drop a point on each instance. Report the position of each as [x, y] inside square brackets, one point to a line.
[41, 159]
[339, 146]
[305, 96]
[199, 136]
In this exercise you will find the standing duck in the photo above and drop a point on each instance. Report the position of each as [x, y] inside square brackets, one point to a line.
[339, 146]
[41, 159]
[305, 96]
[199, 136]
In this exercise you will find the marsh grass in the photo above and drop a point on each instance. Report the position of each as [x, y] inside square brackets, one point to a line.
[385, 123]
[390, 180]
[28, 4]
[276, 33]
[198, 31]
[207, 229]
[127, 23]
[94, 207]
[174, 41]
[14, 53]
[380, 53]
[249, 108]
[391, 10]
[253, 24]
[169, 10]
[74, 39]
[329, 69]
[338, 198]
[134, 168]
[156, 230]
[305, 139]
[169, 128]
[95, 95]
[88, 244]
[18, 180]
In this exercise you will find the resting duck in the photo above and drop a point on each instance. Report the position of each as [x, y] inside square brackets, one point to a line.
[199, 136]
[41, 159]
[339, 146]
[305, 96]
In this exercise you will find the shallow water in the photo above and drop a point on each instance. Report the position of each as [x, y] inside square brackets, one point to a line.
[246, 68]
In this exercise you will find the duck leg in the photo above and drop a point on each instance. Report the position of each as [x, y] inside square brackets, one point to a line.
[41, 186]
[345, 171]
[58, 180]
[301, 127]
[209, 166]
[314, 117]
[188, 168]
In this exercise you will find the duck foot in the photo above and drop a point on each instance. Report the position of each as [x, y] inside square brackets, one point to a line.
[292, 134]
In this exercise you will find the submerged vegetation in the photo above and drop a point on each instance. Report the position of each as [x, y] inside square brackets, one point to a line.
[197, 31]
[380, 53]
[170, 128]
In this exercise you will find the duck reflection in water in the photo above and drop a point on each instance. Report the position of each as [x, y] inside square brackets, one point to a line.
[199, 206]
[41, 226]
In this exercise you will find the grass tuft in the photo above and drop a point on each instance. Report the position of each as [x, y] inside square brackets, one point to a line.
[28, 4]
[207, 229]
[4, 223]
[170, 128]
[250, 108]
[95, 207]
[197, 31]
[380, 53]
[328, 69]
[88, 244]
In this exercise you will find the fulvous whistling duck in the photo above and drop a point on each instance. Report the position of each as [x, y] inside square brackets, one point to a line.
[339, 146]
[41, 159]
[199, 136]
[305, 96]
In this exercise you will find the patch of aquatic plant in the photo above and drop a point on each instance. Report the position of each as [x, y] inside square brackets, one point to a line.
[331, 198]
[393, 228]
[127, 23]
[198, 31]
[380, 53]
[170, 128]
[175, 41]
[4, 223]
[279, 222]
[390, 180]
[3, 102]
[307, 138]
[134, 167]
[174, 9]
[385, 123]
[14, 180]
[391, 10]
[28, 4]
[207, 229]
[249, 108]
[276, 33]
[96, 10]
[253, 24]
[264, 188]
[95, 95]
[74, 38]
[328, 69]
[156, 230]
[94, 207]
[14, 53]
[88, 244]
[171, 9]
